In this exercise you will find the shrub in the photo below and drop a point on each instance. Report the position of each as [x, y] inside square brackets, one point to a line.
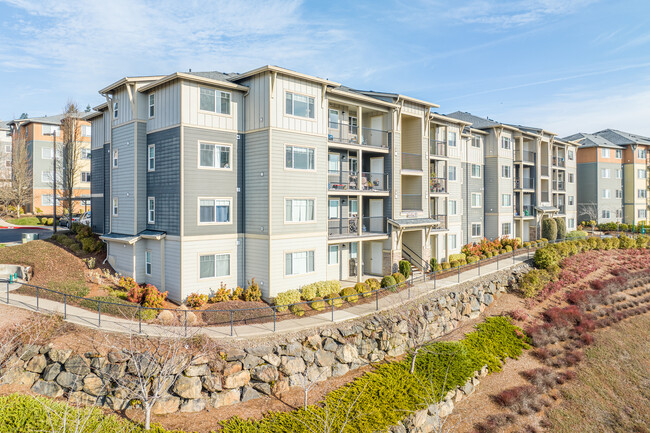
[454, 263]
[472, 259]
[388, 281]
[561, 228]
[297, 310]
[508, 249]
[334, 299]
[445, 266]
[627, 243]
[373, 283]
[399, 279]
[433, 263]
[284, 299]
[91, 245]
[322, 288]
[91, 262]
[533, 282]
[237, 294]
[457, 257]
[526, 244]
[522, 399]
[363, 289]
[308, 292]
[318, 304]
[549, 229]
[350, 294]
[253, 292]
[221, 295]
[196, 300]
[44, 221]
[576, 234]
[405, 268]
[82, 231]
[546, 257]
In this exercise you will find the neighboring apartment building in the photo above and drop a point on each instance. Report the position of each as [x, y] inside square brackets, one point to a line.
[529, 175]
[5, 153]
[613, 176]
[37, 135]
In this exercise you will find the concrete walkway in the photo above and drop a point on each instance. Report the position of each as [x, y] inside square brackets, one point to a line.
[89, 318]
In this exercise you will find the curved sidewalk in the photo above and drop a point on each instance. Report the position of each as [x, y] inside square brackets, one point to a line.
[92, 319]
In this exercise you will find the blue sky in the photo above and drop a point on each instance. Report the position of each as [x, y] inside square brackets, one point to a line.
[564, 65]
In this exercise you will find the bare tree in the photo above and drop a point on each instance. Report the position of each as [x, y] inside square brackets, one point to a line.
[68, 165]
[589, 211]
[18, 190]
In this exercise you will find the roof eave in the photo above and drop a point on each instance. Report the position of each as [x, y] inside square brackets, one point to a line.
[271, 68]
[361, 97]
[127, 80]
[194, 78]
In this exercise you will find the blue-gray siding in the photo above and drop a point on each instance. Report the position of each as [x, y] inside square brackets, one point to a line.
[164, 184]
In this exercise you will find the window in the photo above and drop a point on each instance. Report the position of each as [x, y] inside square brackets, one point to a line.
[47, 200]
[506, 143]
[49, 129]
[333, 256]
[353, 124]
[619, 154]
[453, 209]
[604, 153]
[452, 173]
[334, 162]
[641, 213]
[46, 153]
[85, 176]
[115, 154]
[214, 211]
[606, 193]
[641, 153]
[572, 223]
[151, 210]
[354, 207]
[506, 200]
[299, 105]
[115, 203]
[86, 130]
[476, 170]
[151, 157]
[604, 173]
[641, 193]
[147, 262]
[152, 105]
[606, 214]
[476, 230]
[214, 101]
[300, 158]
[451, 140]
[299, 210]
[619, 213]
[476, 199]
[214, 265]
[115, 109]
[333, 209]
[452, 242]
[47, 177]
[214, 155]
[506, 229]
[571, 200]
[619, 193]
[570, 177]
[570, 155]
[334, 119]
[619, 173]
[506, 171]
[641, 173]
[476, 141]
[86, 153]
[299, 263]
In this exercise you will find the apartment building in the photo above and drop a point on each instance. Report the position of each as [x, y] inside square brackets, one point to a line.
[5, 153]
[529, 175]
[613, 176]
[37, 134]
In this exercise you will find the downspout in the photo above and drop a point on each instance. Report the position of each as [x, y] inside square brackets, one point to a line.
[242, 197]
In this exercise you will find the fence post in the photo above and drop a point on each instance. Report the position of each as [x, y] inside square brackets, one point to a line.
[99, 315]
[459, 274]
[497, 262]
[231, 323]
[37, 293]
[332, 300]
[274, 318]
[376, 300]
[435, 280]
[185, 322]
[513, 256]
[528, 250]
[139, 319]
[65, 306]
[479, 267]
[7, 291]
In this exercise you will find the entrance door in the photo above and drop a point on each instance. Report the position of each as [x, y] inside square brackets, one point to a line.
[376, 256]
[376, 216]
[374, 136]
[377, 173]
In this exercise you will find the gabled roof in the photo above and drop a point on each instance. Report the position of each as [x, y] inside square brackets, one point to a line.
[46, 120]
[271, 68]
[355, 94]
[396, 97]
[592, 140]
[623, 138]
[478, 122]
[127, 80]
[214, 78]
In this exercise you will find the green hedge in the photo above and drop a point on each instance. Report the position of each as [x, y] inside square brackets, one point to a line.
[549, 229]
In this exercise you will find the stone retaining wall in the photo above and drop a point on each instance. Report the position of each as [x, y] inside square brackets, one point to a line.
[269, 368]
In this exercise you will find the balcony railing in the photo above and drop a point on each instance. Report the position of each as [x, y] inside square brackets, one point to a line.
[411, 202]
[544, 170]
[443, 221]
[562, 209]
[345, 227]
[526, 156]
[355, 181]
[374, 225]
[437, 148]
[525, 183]
[438, 185]
[343, 132]
[558, 161]
[559, 185]
[411, 161]
[526, 210]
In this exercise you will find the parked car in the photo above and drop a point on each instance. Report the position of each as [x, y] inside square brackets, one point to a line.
[64, 220]
[85, 219]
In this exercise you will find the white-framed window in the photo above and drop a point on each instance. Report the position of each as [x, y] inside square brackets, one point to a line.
[151, 210]
[115, 109]
[453, 207]
[147, 262]
[619, 213]
[301, 262]
[605, 173]
[641, 153]
[619, 173]
[451, 139]
[151, 157]
[299, 210]
[213, 155]
[606, 193]
[299, 105]
[152, 105]
[506, 171]
[641, 193]
[476, 141]
[86, 131]
[642, 173]
[353, 208]
[47, 200]
[86, 153]
[570, 155]
[48, 129]
[115, 206]
[506, 143]
[85, 176]
[604, 152]
[333, 209]
[571, 200]
[451, 173]
[641, 213]
[453, 243]
[215, 210]
[47, 177]
[333, 119]
[214, 265]
[506, 200]
[476, 170]
[476, 199]
[506, 229]
[300, 158]
[476, 230]
[115, 157]
[606, 214]
[570, 177]
[618, 154]
[214, 101]
[619, 193]
[571, 223]
[333, 255]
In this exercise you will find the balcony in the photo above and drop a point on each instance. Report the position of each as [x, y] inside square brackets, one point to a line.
[443, 221]
[562, 209]
[558, 185]
[374, 225]
[344, 133]
[355, 181]
[526, 156]
[411, 202]
[438, 185]
[526, 210]
[525, 183]
[558, 161]
[411, 161]
[437, 148]
[349, 227]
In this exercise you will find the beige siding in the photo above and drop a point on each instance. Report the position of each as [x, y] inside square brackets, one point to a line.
[257, 102]
[191, 252]
[279, 119]
[97, 132]
[192, 115]
[281, 282]
[173, 269]
[167, 104]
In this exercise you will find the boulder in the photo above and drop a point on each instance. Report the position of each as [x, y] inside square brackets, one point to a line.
[264, 388]
[330, 345]
[97, 363]
[265, 373]
[346, 353]
[51, 371]
[117, 356]
[292, 365]
[27, 351]
[200, 359]
[188, 387]
[70, 381]
[75, 364]
[272, 359]
[237, 380]
[117, 403]
[197, 370]
[339, 370]
[80, 397]
[280, 387]
[193, 405]
[488, 299]
[445, 409]
[37, 364]
[166, 404]
[232, 368]
[259, 351]
[292, 349]
[48, 389]
[235, 355]
[93, 385]
[248, 393]
[324, 358]
[18, 376]
[211, 383]
[226, 398]
[468, 388]
[314, 341]
[251, 361]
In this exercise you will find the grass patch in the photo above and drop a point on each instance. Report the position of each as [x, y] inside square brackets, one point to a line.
[25, 221]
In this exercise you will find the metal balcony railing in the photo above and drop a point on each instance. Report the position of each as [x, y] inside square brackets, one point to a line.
[562, 209]
[526, 156]
[411, 161]
[526, 210]
[355, 181]
[343, 132]
[438, 185]
[374, 225]
[442, 219]
[437, 148]
[558, 161]
[558, 185]
[411, 202]
[525, 183]
[338, 227]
